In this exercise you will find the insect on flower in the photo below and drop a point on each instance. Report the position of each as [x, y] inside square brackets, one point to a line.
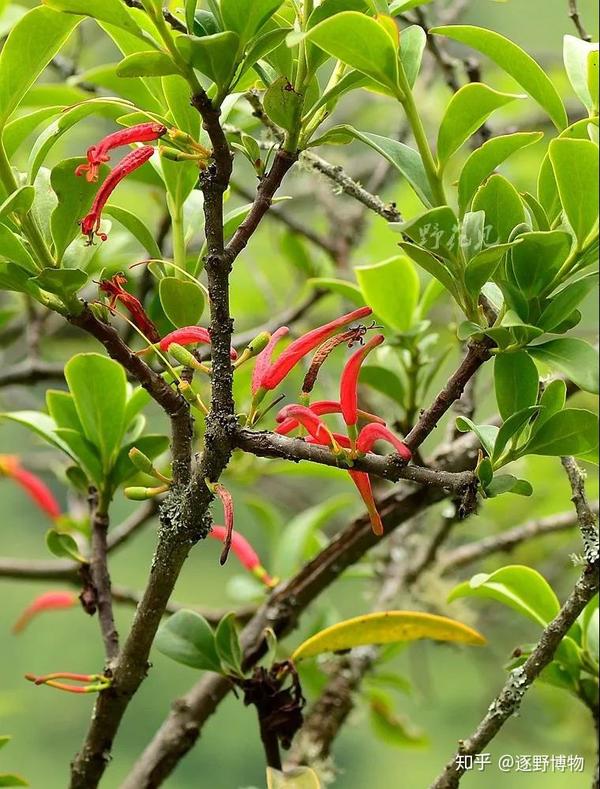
[98, 154]
[10, 466]
[90, 224]
[114, 288]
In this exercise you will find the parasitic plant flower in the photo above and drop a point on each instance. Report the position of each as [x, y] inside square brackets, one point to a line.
[307, 418]
[99, 681]
[264, 358]
[349, 381]
[90, 224]
[48, 601]
[10, 466]
[375, 432]
[189, 335]
[244, 552]
[225, 496]
[321, 407]
[98, 154]
[114, 288]
[278, 370]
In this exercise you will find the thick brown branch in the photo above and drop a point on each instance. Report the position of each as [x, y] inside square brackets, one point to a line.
[509, 700]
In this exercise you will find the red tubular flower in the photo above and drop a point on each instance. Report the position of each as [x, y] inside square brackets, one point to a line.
[277, 371]
[100, 682]
[349, 380]
[374, 432]
[321, 407]
[48, 601]
[32, 484]
[244, 552]
[90, 224]
[189, 335]
[227, 502]
[263, 360]
[308, 419]
[363, 485]
[98, 154]
[114, 288]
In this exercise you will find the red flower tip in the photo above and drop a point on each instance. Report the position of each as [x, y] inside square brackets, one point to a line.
[189, 335]
[349, 380]
[90, 224]
[303, 345]
[99, 681]
[98, 154]
[48, 601]
[375, 432]
[114, 288]
[10, 466]
[307, 418]
[263, 360]
[226, 500]
[321, 407]
[244, 552]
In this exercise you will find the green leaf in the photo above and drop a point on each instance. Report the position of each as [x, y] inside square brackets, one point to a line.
[213, 55]
[482, 267]
[228, 645]
[182, 301]
[511, 429]
[383, 380]
[41, 424]
[113, 11]
[516, 382]
[436, 230]
[282, 104]
[574, 358]
[391, 728]
[472, 234]
[75, 196]
[575, 165]
[516, 586]
[483, 161]
[360, 42]
[552, 401]
[575, 56]
[565, 302]
[572, 431]
[262, 46]
[61, 408]
[487, 434]
[187, 638]
[503, 207]
[31, 45]
[147, 64]
[467, 110]
[10, 779]
[432, 265]
[17, 131]
[136, 227]
[385, 628]
[536, 261]
[406, 160]
[13, 248]
[412, 45]
[99, 388]
[510, 57]
[247, 17]
[151, 445]
[84, 453]
[391, 288]
[593, 79]
[507, 483]
[19, 202]
[63, 545]
[63, 282]
[341, 287]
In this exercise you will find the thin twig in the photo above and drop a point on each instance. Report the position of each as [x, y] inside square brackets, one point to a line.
[101, 580]
[170, 18]
[586, 517]
[576, 19]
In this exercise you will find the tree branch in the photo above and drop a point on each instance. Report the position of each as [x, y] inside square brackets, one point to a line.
[101, 581]
[586, 517]
[31, 372]
[170, 18]
[576, 19]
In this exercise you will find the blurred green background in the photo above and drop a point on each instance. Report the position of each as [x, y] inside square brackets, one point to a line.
[450, 687]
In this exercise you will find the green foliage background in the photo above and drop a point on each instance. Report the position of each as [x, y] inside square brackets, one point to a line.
[451, 688]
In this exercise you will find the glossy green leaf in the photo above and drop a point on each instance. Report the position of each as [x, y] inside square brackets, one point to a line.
[30, 46]
[99, 388]
[10, 779]
[573, 357]
[511, 429]
[63, 545]
[436, 230]
[113, 11]
[61, 408]
[360, 42]
[572, 431]
[385, 628]
[213, 55]
[182, 300]
[503, 208]
[412, 45]
[552, 401]
[432, 265]
[227, 644]
[390, 727]
[19, 202]
[516, 586]
[575, 56]
[516, 381]
[12, 247]
[147, 64]
[485, 159]
[487, 434]
[282, 104]
[575, 165]
[467, 110]
[187, 638]
[85, 454]
[63, 282]
[510, 57]
[151, 445]
[40, 424]
[507, 483]
[537, 259]
[383, 380]
[482, 267]
[405, 159]
[391, 288]
[263, 45]
[136, 227]
[247, 17]
[340, 287]
[565, 302]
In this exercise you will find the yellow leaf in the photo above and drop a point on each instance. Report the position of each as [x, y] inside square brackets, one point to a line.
[298, 778]
[384, 628]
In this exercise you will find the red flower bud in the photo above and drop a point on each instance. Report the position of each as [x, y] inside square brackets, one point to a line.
[100, 682]
[114, 288]
[221, 491]
[244, 552]
[303, 345]
[98, 154]
[263, 360]
[189, 335]
[321, 407]
[374, 432]
[349, 380]
[32, 484]
[48, 601]
[90, 224]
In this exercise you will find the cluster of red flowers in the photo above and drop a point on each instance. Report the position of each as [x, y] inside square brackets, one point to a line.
[98, 155]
